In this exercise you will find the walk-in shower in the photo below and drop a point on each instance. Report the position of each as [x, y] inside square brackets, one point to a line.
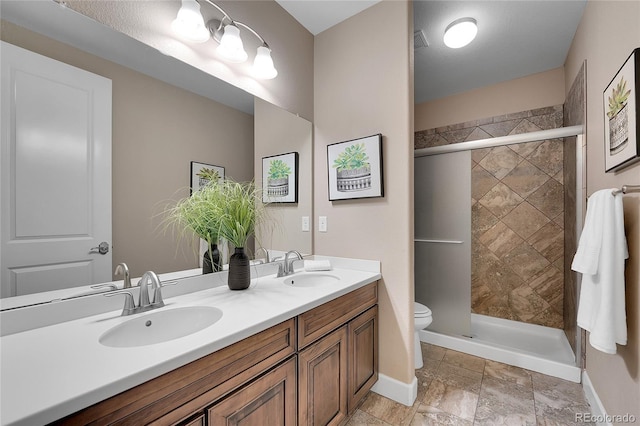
[528, 227]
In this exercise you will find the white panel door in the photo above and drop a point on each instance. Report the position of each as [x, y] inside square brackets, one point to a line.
[442, 202]
[55, 174]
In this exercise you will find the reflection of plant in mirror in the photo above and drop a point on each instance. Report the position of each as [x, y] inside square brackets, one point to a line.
[353, 157]
[278, 169]
[618, 98]
[221, 209]
[200, 213]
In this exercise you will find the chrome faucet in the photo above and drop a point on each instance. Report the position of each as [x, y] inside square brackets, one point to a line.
[286, 267]
[123, 269]
[144, 302]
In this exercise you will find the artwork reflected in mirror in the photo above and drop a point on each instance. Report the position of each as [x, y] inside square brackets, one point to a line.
[202, 174]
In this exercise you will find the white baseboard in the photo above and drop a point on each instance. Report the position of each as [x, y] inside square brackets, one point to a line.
[597, 409]
[404, 393]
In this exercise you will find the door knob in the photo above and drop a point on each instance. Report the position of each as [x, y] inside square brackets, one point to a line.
[103, 248]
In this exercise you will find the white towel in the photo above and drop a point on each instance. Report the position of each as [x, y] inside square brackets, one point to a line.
[600, 258]
[317, 265]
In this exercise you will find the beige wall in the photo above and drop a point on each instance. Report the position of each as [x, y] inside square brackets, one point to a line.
[534, 91]
[279, 132]
[158, 130]
[364, 85]
[291, 44]
[616, 378]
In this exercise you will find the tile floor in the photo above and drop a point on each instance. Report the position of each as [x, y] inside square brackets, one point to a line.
[459, 389]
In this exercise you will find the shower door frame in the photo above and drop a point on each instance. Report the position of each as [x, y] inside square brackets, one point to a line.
[580, 199]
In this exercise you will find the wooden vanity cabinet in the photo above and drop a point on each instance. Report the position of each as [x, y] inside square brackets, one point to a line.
[337, 366]
[182, 394]
[314, 369]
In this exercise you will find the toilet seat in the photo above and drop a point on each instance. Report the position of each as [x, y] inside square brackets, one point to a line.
[421, 311]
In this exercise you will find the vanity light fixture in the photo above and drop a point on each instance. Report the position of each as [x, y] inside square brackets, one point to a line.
[460, 32]
[226, 32]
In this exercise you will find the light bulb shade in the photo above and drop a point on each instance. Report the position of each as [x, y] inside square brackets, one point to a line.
[460, 33]
[189, 22]
[263, 64]
[231, 47]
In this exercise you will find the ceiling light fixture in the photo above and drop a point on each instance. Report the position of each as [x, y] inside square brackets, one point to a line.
[460, 32]
[226, 32]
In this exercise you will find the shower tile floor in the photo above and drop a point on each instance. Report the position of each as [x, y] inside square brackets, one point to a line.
[455, 388]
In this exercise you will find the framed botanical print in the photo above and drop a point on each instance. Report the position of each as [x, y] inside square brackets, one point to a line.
[621, 124]
[280, 178]
[355, 168]
[201, 174]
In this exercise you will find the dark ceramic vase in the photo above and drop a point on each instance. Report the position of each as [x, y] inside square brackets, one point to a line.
[239, 272]
[207, 265]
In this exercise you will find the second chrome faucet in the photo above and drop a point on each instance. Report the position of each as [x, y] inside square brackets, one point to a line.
[286, 268]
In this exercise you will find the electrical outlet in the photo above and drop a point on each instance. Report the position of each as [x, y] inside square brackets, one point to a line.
[322, 223]
[305, 223]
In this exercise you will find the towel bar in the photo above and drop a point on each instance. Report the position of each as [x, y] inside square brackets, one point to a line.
[626, 189]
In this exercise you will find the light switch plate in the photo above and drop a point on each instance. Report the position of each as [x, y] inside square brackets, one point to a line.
[322, 223]
[305, 223]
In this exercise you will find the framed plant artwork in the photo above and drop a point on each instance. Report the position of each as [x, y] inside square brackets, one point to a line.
[355, 168]
[280, 178]
[621, 124]
[202, 174]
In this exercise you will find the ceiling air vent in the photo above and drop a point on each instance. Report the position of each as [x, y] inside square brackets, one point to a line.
[419, 40]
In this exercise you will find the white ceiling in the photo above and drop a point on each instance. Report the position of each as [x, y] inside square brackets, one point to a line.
[515, 38]
[319, 15]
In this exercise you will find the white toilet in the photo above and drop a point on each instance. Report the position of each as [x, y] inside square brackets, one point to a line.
[422, 318]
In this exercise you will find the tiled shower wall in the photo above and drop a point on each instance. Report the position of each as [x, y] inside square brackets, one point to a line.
[517, 216]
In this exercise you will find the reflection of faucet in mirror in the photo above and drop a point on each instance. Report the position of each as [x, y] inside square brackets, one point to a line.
[286, 268]
[123, 269]
[266, 254]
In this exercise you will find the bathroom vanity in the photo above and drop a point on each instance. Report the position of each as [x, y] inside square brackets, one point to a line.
[279, 354]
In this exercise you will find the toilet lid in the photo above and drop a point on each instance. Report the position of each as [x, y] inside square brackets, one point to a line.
[420, 310]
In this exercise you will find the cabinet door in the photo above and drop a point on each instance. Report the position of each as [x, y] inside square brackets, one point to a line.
[363, 356]
[323, 380]
[268, 400]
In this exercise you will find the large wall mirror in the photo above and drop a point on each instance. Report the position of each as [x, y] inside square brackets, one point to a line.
[167, 114]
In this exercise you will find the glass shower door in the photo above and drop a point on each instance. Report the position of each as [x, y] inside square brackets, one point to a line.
[443, 240]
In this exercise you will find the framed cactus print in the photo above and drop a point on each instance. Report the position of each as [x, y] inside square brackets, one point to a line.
[355, 168]
[202, 174]
[280, 178]
[621, 121]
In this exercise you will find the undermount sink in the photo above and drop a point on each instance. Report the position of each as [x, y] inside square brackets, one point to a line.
[311, 280]
[160, 326]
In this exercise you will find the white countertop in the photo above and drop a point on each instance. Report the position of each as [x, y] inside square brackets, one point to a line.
[50, 372]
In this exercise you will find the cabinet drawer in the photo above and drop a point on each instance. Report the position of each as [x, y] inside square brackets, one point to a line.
[319, 321]
[180, 393]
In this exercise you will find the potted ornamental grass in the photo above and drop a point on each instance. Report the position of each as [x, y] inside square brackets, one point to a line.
[353, 170]
[242, 211]
[222, 210]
